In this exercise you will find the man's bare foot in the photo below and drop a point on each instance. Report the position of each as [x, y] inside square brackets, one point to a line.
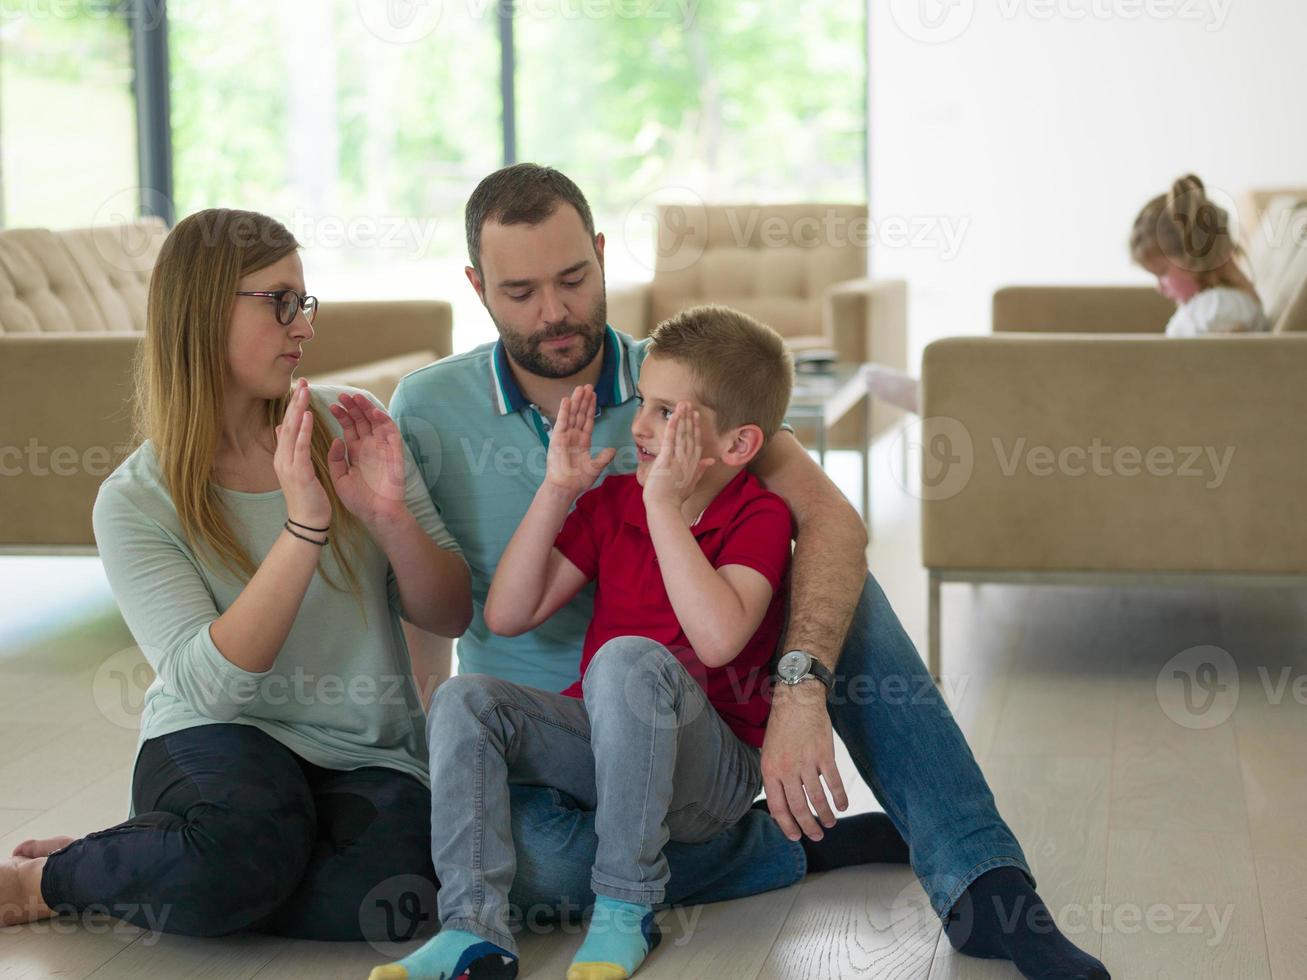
[41, 848]
[20, 891]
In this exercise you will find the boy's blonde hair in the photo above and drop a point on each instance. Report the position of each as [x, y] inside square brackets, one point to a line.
[1184, 227]
[742, 369]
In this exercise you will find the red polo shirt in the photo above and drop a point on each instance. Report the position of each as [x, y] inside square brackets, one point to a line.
[607, 537]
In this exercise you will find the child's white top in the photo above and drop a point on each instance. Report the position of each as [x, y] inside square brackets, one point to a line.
[1221, 309]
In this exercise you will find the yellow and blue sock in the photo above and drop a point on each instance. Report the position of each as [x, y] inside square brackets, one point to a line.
[620, 936]
[452, 954]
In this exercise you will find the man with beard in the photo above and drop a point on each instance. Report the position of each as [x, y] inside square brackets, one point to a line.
[478, 425]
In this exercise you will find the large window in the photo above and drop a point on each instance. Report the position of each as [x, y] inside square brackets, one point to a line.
[362, 131]
[643, 101]
[365, 124]
[67, 114]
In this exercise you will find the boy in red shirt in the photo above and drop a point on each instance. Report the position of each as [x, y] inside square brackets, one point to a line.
[662, 734]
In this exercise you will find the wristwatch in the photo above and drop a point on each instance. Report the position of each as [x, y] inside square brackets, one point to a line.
[798, 666]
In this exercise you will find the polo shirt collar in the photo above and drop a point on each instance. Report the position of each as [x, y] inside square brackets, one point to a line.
[723, 506]
[615, 384]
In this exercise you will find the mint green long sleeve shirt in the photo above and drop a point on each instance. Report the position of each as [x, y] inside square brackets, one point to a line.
[340, 693]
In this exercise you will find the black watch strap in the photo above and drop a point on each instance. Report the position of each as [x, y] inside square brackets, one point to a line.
[820, 671]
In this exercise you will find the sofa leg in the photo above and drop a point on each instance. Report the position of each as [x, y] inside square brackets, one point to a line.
[932, 627]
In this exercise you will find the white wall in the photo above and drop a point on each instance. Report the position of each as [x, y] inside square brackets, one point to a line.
[1037, 128]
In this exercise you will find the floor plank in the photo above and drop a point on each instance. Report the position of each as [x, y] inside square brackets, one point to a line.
[1182, 904]
[856, 923]
[66, 947]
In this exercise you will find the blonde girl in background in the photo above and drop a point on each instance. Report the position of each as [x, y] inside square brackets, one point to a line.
[1184, 239]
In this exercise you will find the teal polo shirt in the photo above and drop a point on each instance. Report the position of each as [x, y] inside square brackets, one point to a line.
[481, 448]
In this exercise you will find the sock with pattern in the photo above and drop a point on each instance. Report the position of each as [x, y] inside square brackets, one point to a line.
[452, 954]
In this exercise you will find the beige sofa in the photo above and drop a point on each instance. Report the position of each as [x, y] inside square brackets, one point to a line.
[801, 268]
[1079, 444]
[72, 310]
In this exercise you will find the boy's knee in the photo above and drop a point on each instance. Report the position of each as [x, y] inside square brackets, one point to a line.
[461, 697]
[621, 658]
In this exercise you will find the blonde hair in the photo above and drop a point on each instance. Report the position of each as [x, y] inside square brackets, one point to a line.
[741, 368]
[1184, 227]
[180, 373]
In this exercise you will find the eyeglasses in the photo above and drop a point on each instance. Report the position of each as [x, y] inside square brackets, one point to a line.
[289, 303]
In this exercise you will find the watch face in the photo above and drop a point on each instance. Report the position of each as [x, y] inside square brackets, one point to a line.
[793, 665]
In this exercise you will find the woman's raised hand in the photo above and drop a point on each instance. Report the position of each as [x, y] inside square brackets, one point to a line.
[569, 465]
[306, 501]
[367, 465]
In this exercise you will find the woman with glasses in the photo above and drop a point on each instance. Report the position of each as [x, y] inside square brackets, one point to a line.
[262, 543]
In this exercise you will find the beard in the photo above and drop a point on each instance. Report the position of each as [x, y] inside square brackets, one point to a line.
[527, 353]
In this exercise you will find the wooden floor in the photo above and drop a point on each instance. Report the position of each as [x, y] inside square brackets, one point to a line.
[1170, 849]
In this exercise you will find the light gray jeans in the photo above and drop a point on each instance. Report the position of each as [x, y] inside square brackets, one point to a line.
[645, 750]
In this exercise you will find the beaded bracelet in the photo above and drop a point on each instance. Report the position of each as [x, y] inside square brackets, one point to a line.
[321, 543]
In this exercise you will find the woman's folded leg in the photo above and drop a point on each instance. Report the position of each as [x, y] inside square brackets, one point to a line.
[224, 827]
[370, 874]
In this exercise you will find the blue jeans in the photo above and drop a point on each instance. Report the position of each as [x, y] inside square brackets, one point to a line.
[902, 739]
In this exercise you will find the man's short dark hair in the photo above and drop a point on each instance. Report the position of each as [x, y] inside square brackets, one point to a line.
[523, 194]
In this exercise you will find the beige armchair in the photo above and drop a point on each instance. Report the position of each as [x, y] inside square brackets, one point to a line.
[800, 268]
[72, 311]
[1078, 444]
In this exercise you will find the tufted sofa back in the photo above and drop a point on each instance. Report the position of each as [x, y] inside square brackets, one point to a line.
[88, 280]
[774, 261]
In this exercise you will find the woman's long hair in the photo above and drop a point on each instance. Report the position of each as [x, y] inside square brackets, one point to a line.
[181, 371]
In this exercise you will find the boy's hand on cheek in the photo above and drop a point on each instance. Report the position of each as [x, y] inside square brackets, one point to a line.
[678, 468]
